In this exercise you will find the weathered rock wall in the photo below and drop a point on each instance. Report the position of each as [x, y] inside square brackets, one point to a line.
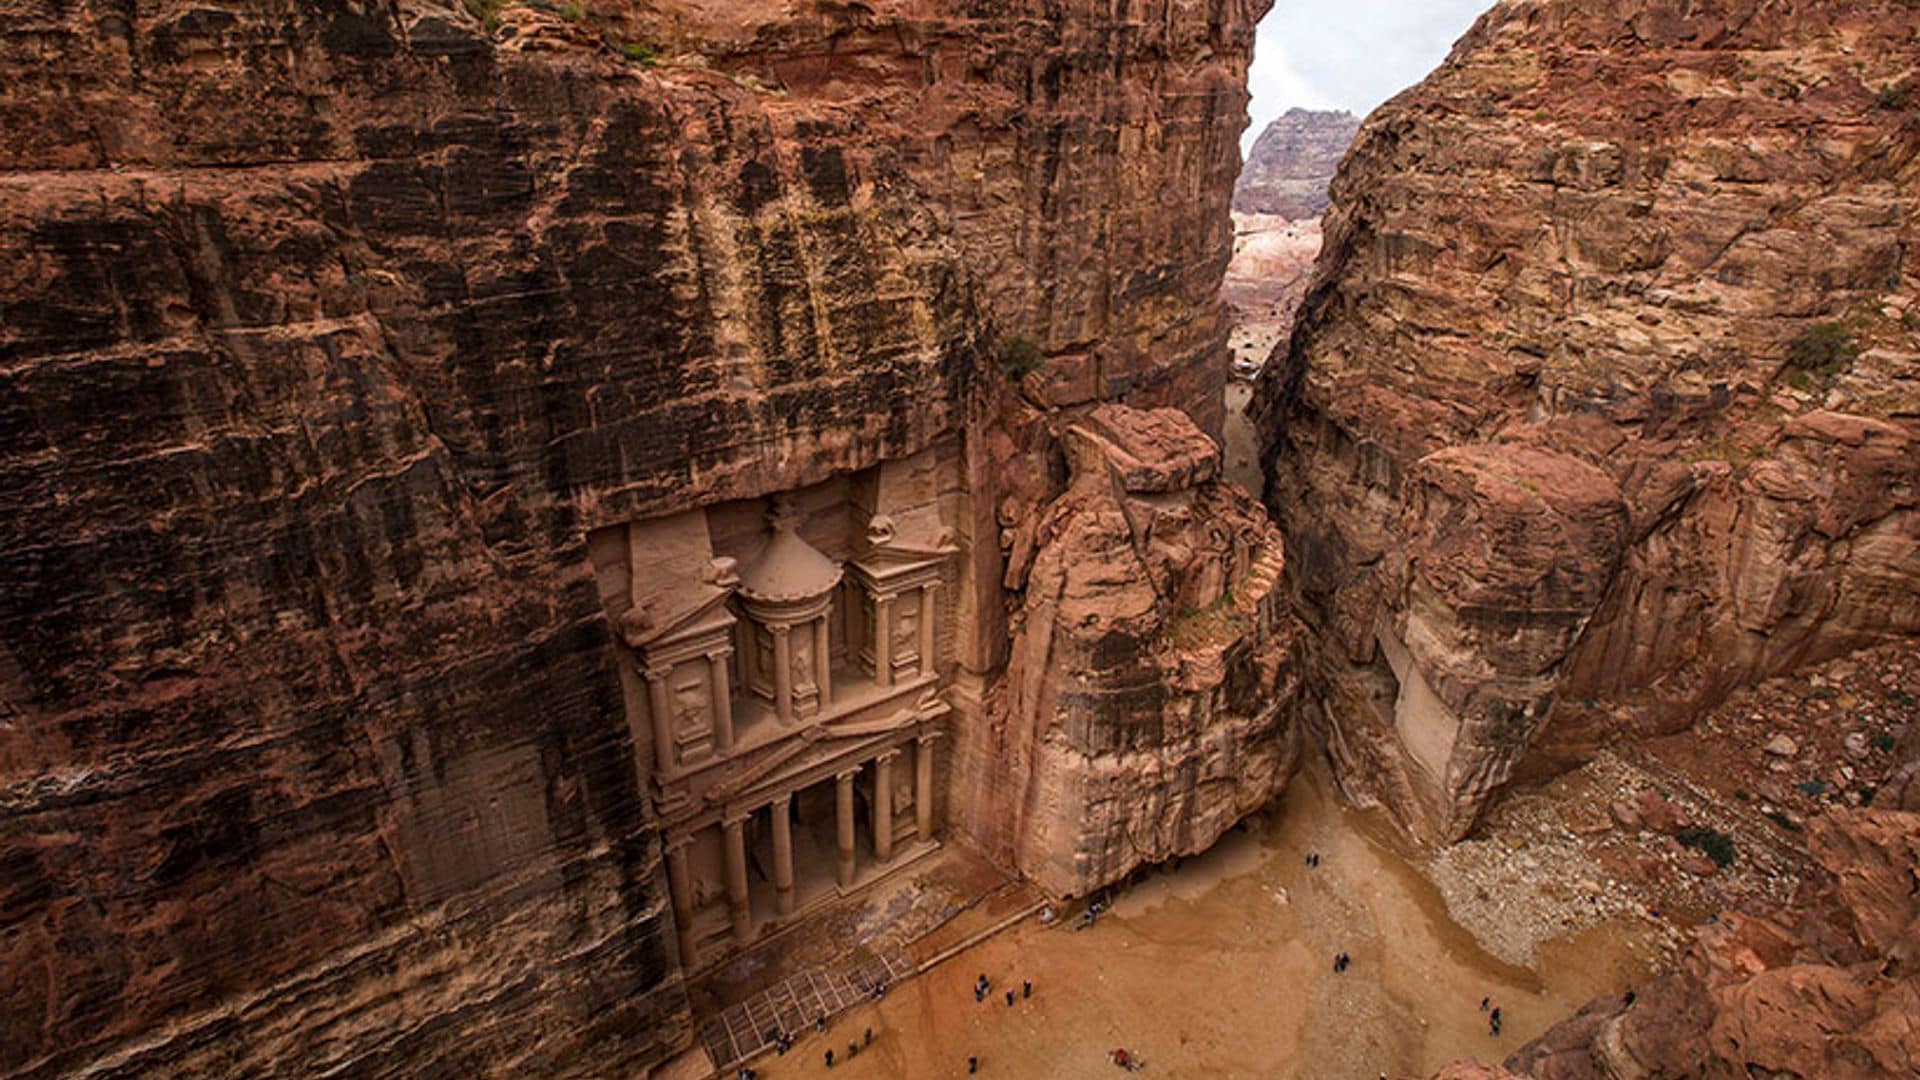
[330, 330]
[1606, 395]
[1292, 164]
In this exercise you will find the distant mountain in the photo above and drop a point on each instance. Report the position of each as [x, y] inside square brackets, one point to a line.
[1292, 163]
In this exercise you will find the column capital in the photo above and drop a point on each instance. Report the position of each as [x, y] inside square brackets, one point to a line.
[779, 629]
[672, 844]
[846, 775]
[656, 672]
[927, 738]
[888, 754]
[782, 800]
[735, 819]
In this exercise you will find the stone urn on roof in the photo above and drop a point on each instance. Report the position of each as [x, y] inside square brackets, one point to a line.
[786, 592]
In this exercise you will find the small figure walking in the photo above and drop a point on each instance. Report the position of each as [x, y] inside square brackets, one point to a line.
[1341, 962]
[1484, 1002]
[1493, 1020]
[866, 1037]
[1009, 999]
[829, 1058]
[973, 1064]
[852, 1049]
[980, 989]
[1026, 988]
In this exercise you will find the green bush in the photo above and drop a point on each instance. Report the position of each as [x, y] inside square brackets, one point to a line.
[1824, 349]
[1812, 787]
[487, 11]
[644, 55]
[1718, 845]
[1891, 97]
[1019, 355]
[573, 13]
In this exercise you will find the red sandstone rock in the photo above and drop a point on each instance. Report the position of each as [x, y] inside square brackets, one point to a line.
[331, 330]
[1571, 269]
[1829, 989]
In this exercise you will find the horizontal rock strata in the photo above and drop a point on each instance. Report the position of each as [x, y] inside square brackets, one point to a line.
[331, 330]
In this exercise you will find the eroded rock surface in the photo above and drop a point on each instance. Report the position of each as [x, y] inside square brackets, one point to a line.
[329, 333]
[1606, 397]
[1292, 163]
[1827, 989]
[1150, 703]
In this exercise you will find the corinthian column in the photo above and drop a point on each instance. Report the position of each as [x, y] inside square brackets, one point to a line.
[782, 672]
[737, 898]
[661, 708]
[843, 824]
[783, 855]
[883, 805]
[680, 888]
[923, 787]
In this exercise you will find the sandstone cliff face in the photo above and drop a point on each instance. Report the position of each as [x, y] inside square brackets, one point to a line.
[1603, 401]
[1292, 164]
[330, 331]
[1149, 704]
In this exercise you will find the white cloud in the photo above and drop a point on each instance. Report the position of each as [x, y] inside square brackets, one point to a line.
[1348, 54]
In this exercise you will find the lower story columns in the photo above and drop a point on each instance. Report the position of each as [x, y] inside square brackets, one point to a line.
[680, 888]
[883, 806]
[923, 787]
[783, 855]
[843, 822]
[738, 903]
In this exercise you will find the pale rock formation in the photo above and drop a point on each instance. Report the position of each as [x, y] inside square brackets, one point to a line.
[1293, 162]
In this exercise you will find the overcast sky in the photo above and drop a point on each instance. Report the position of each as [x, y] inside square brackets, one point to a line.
[1349, 54]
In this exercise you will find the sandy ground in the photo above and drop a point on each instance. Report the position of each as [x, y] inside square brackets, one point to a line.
[1223, 968]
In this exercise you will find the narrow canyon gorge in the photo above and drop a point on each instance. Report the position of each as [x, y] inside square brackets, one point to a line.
[612, 538]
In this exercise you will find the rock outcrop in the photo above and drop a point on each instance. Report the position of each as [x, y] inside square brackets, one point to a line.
[1293, 162]
[1150, 703]
[1606, 396]
[1829, 989]
[331, 330]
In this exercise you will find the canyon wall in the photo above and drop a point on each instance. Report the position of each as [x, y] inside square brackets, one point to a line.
[1292, 163]
[1605, 398]
[331, 330]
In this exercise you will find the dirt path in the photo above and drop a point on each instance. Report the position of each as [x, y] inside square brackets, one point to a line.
[1223, 968]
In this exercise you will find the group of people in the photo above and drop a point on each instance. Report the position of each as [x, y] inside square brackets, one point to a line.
[1493, 1015]
[853, 1047]
[982, 986]
[1341, 962]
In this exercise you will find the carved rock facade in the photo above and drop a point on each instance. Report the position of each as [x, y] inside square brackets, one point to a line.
[346, 350]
